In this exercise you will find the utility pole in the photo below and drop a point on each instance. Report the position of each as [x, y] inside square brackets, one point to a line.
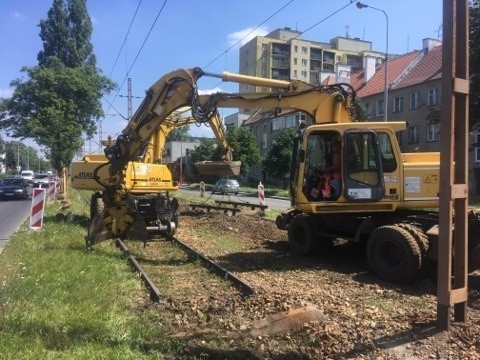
[129, 98]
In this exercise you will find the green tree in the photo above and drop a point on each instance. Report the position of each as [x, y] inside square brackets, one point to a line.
[474, 64]
[244, 148]
[278, 159]
[202, 152]
[179, 134]
[60, 99]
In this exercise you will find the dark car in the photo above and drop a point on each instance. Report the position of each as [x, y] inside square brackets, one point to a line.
[226, 186]
[41, 180]
[14, 188]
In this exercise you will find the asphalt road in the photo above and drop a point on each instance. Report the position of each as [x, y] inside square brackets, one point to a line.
[12, 214]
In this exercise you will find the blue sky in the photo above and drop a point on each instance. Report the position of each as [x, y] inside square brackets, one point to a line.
[191, 33]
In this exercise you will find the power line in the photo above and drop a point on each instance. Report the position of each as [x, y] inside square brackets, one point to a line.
[300, 33]
[141, 48]
[231, 47]
[125, 39]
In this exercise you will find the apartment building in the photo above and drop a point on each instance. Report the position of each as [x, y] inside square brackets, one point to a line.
[283, 54]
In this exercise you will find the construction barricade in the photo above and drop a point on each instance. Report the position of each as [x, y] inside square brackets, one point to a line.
[37, 209]
[261, 194]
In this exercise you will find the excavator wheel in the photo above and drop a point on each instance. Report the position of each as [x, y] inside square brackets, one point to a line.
[301, 236]
[281, 223]
[394, 254]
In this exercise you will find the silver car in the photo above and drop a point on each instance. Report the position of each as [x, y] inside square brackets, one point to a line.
[226, 186]
[41, 180]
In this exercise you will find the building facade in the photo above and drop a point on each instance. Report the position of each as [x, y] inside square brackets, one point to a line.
[414, 87]
[283, 54]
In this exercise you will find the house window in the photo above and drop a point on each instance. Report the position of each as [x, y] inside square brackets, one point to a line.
[477, 147]
[415, 101]
[278, 124]
[304, 49]
[304, 62]
[398, 104]
[413, 135]
[433, 97]
[299, 117]
[367, 109]
[264, 127]
[264, 47]
[295, 48]
[380, 107]
[294, 61]
[290, 121]
[432, 132]
[399, 137]
[303, 74]
[264, 141]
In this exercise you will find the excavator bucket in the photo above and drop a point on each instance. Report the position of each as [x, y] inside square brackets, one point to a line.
[218, 168]
[97, 231]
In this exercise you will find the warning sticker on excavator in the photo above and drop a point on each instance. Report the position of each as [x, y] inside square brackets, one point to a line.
[412, 184]
[430, 179]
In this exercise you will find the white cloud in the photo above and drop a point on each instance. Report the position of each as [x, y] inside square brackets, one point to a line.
[6, 93]
[17, 15]
[243, 36]
[209, 91]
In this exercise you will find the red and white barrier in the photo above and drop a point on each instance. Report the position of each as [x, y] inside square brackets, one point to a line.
[38, 206]
[202, 189]
[51, 191]
[261, 194]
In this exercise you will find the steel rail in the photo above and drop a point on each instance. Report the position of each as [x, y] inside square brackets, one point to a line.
[154, 292]
[243, 285]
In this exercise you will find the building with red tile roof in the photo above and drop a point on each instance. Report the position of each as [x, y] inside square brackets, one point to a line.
[414, 82]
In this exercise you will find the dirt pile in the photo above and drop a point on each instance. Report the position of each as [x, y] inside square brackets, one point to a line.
[356, 316]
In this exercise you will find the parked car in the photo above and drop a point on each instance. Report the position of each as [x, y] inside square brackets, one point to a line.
[14, 188]
[226, 186]
[41, 180]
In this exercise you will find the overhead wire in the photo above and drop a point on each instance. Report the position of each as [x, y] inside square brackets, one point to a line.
[300, 33]
[138, 52]
[125, 39]
[246, 35]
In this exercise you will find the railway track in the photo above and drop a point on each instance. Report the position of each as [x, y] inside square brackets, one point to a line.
[155, 295]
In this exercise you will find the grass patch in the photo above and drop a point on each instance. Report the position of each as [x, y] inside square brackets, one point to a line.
[58, 300]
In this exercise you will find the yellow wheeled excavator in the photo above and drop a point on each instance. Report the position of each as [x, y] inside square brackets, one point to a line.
[348, 178]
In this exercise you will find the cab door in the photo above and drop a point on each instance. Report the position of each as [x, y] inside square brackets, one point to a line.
[362, 166]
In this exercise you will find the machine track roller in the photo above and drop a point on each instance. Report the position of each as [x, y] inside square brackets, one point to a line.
[394, 254]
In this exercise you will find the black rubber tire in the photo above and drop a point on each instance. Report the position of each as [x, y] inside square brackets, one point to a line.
[301, 236]
[393, 254]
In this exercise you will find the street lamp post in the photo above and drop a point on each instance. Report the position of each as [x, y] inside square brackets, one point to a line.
[385, 96]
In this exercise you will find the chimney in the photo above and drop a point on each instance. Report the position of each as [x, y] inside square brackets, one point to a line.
[429, 44]
[369, 65]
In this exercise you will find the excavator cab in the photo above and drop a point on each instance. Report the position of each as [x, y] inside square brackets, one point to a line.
[342, 166]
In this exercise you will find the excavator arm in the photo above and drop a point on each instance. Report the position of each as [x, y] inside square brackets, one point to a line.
[174, 94]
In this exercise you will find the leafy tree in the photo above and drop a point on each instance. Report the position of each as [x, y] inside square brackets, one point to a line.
[474, 63]
[202, 152]
[277, 161]
[60, 99]
[179, 134]
[244, 147]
